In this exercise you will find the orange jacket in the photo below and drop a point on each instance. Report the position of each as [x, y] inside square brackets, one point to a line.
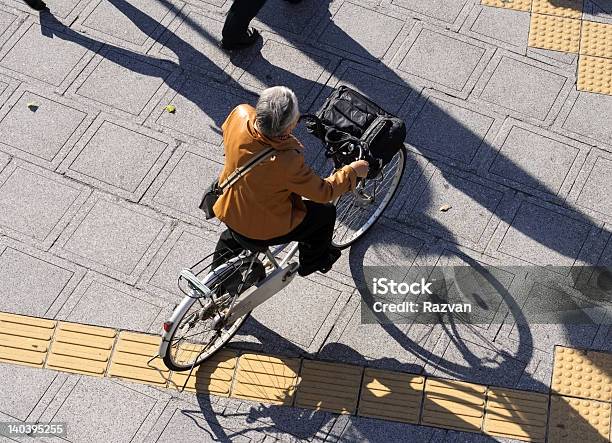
[267, 201]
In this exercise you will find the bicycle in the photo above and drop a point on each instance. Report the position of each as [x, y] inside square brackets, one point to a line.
[219, 299]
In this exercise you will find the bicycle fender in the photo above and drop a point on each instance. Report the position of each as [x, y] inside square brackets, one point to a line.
[177, 314]
[272, 284]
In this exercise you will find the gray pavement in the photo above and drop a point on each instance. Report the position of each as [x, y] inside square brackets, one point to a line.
[99, 188]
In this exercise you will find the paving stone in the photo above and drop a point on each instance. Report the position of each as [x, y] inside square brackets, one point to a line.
[594, 192]
[67, 10]
[35, 205]
[201, 109]
[266, 379]
[564, 60]
[132, 359]
[449, 130]
[598, 11]
[214, 376]
[30, 285]
[349, 428]
[184, 248]
[391, 395]
[583, 374]
[588, 117]
[135, 87]
[476, 203]
[594, 38]
[376, 345]
[519, 5]
[443, 59]
[453, 405]
[535, 158]
[81, 349]
[101, 301]
[45, 134]
[371, 42]
[113, 237]
[594, 74]
[133, 23]
[119, 157]
[282, 64]
[590, 420]
[188, 42]
[544, 237]
[25, 340]
[516, 414]
[90, 400]
[523, 88]
[560, 8]
[316, 392]
[302, 313]
[444, 10]
[502, 26]
[479, 360]
[192, 422]
[555, 33]
[179, 187]
[290, 17]
[17, 401]
[8, 24]
[58, 59]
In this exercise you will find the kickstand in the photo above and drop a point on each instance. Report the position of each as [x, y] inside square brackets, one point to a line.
[182, 388]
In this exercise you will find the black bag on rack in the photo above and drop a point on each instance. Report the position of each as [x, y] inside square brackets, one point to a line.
[352, 126]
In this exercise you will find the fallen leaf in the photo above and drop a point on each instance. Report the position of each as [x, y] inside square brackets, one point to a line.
[33, 106]
[445, 208]
[170, 108]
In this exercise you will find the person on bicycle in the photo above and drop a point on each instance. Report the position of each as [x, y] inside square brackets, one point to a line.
[266, 206]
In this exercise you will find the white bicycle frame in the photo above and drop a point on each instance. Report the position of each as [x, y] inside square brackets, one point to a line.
[274, 282]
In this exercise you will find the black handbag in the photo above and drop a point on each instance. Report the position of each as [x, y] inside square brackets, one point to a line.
[215, 190]
[353, 127]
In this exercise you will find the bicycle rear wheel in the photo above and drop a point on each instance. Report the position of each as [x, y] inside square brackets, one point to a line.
[357, 211]
[202, 331]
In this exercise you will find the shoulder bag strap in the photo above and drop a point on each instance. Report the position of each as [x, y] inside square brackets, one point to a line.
[239, 172]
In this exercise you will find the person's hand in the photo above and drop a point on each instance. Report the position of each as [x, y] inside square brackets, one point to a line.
[360, 167]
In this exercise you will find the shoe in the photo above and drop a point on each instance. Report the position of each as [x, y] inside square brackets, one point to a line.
[323, 266]
[245, 41]
[37, 5]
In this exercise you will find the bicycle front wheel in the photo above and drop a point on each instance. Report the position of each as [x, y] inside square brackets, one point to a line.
[357, 211]
[202, 331]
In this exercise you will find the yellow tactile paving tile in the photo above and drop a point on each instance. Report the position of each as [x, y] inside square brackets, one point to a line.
[25, 340]
[331, 387]
[391, 395]
[554, 33]
[81, 349]
[517, 5]
[583, 374]
[578, 420]
[266, 379]
[560, 8]
[595, 74]
[131, 359]
[596, 39]
[516, 414]
[453, 404]
[214, 376]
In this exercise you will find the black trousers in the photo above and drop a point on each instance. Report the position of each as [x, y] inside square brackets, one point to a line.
[313, 234]
[238, 18]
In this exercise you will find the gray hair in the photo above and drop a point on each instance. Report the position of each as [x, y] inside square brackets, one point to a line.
[277, 108]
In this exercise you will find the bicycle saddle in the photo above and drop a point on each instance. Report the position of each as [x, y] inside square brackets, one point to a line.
[247, 245]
